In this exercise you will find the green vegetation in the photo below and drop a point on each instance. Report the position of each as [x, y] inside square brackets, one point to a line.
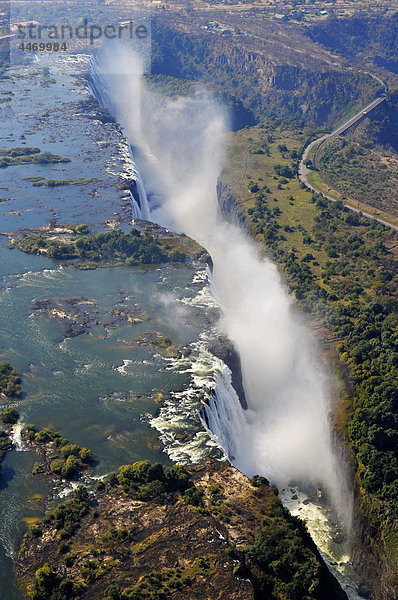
[64, 459]
[141, 480]
[151, 532]
[40, 181]
[282, 566]
[361, 174]
[352, 288]
[157, 585]
[341, 268]
[144, 480]
[25, 156]
[50, 585]
[9, 386]
[67, 517]
[10, 381]
[132, 248]
[82, 229]
[5, 445]
[9, 416]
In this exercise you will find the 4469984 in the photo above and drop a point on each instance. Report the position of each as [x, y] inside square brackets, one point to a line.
[48, 47]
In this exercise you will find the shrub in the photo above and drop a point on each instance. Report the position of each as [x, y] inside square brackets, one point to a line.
[177, 256]
[43, 436]
[71, 467]
[70, 450]
[253, 187]
[10, 416]
[68, 515]
[10, 382]
[57, 465]
[86, 455]
[194, 496]
[258, 480]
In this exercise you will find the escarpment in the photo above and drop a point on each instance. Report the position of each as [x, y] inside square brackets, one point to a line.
[269, 77]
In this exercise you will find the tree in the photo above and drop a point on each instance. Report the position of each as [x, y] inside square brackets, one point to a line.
[10, 416]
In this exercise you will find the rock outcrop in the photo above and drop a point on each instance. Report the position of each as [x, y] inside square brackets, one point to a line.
[223, 538]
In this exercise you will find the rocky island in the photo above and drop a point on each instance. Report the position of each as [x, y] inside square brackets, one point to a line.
[154, 532]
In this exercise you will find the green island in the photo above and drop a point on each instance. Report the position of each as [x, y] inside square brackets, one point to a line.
[58, 455]
[132, 248]
[137, 528]
[8, 417]
[10, 388]
[5, 445]
[25, 156]
[38, 181]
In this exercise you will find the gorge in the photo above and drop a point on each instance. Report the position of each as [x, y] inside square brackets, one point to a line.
[285, 433]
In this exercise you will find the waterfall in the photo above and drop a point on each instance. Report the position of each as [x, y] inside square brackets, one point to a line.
[16, 437]
[223, 415]
[285, 433]
[139, 206]
[97, 85]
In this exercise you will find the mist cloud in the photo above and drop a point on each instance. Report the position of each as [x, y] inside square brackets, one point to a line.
[286, 434]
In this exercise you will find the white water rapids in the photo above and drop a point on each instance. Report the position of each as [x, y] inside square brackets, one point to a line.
[285, 434]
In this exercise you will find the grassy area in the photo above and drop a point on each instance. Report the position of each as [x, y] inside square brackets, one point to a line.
[290, 201]
[361, 174]
[315, 178]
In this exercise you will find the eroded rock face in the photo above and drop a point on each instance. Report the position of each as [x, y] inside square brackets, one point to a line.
[368, 554]
[270, 76]
[228, 204]
[226, 351]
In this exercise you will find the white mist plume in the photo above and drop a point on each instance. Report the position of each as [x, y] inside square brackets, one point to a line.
[174, 312]
[285, 434]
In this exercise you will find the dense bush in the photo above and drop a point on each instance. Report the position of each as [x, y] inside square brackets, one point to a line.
[148, 480]
[5, 444]
[132, 248]
[10, 382]
[10, 416]
[49, 585]
[282, 566]
[67, 517]
[71, 459]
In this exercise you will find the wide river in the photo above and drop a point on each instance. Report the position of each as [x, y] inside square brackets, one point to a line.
[98, 389]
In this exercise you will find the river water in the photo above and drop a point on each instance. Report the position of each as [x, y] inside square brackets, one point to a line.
[99, 389]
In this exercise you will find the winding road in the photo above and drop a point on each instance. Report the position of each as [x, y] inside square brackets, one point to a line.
[303, 171]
